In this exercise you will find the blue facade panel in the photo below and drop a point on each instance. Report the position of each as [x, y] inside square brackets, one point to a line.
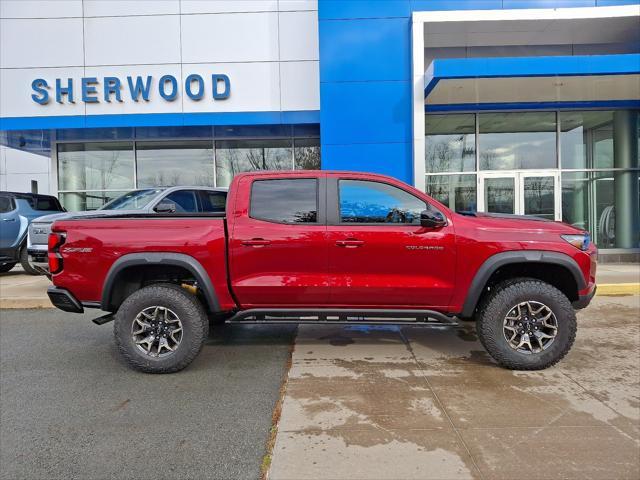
[365, 50]
[160, 120]
[547, 3]
[365, 112]
[350, 9]
[385, 158]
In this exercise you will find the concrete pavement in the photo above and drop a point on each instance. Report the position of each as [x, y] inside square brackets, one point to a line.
[416, 403]
[19, 290]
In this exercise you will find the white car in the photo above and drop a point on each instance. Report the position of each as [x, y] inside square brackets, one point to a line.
[150, 200]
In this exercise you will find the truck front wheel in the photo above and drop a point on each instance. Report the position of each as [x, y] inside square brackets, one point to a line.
[526, 324]
[160, 329]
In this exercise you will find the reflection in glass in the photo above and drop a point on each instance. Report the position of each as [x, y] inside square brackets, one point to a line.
[80, 201]
[168, 164]
[236, 156]
[458, 192]
[307, 153]
[589, 202]
[289, 201]
[95, 166]
[510, 141]
[586, 139]
[375, 202]
[450, 143]
[575, 200]
[539, 197]
[135, 200]
[604, 207]
[499, 195]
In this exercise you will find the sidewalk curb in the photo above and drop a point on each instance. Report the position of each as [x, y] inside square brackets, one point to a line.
[605, 289]
[9, 303]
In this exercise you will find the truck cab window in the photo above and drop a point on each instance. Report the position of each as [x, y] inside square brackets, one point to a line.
[285, 201]
[213, 202]
[375, 202]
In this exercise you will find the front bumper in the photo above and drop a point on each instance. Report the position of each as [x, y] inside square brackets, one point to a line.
[584, 300]
[64, 300]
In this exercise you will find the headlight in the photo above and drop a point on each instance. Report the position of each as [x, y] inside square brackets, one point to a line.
[581, 241]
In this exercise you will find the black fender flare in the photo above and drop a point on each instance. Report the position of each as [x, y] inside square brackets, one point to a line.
[498, 260]
[160, 258]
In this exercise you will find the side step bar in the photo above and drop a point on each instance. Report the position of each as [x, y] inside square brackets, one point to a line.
[333, 316]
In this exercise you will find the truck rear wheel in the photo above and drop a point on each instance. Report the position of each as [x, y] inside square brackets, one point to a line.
[26, 264]
[526, 324]
[160, 329]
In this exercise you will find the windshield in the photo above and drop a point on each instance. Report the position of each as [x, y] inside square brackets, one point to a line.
[135, 200]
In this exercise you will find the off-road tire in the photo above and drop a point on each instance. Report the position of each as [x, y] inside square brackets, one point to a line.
[24, 261]
[194, 320]
[500, 301]
[5, 267]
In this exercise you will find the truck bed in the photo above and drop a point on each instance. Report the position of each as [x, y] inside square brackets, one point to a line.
[92, 246]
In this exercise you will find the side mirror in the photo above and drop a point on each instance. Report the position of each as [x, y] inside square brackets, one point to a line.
[432, 219]
[165, 207]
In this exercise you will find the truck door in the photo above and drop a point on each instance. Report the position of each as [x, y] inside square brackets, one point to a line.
[379, 255]
[278, 248]
[11, 225]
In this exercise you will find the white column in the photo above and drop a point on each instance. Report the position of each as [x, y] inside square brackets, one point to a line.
[417, 76]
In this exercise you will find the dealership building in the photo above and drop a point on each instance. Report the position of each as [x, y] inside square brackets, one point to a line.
[515, 106]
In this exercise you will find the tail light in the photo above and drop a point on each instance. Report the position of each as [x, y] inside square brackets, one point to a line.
[54, 243]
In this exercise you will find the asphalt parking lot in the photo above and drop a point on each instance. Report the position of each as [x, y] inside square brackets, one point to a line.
[70, 409]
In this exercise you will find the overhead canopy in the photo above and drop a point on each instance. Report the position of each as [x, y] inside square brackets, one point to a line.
[533, 82]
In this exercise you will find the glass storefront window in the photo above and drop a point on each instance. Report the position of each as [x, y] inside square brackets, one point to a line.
[539, 197]
[599, 167]
[514, 140]
[306, 152]
[167, 164]
[499, 195]
[95, 166]
[80, 201]
[575, 199]
[593, 201]
[586, 139]
[236, 156]
[450, 143]
[458, 192]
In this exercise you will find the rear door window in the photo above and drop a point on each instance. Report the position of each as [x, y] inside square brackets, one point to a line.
[185, 201]
[285, 201]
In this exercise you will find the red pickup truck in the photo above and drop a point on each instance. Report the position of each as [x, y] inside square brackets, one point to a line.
[326, 247]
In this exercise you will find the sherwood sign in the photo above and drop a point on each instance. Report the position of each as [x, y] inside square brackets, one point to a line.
[107, 89]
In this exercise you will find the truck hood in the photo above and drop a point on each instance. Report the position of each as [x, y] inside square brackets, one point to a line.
[519, 222]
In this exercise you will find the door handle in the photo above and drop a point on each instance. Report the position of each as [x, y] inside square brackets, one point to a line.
[350, 243]
[256, 242]
[8, 219]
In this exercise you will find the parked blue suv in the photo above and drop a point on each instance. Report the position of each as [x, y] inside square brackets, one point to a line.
[16, 212]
